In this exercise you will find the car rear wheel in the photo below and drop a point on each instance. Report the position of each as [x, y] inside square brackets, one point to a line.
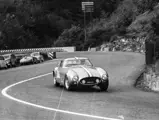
[67, 84]
[6, 67]
[104, 86]
[35, 61]
[42, 60]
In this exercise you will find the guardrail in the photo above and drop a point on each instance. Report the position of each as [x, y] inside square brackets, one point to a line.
[52, 49]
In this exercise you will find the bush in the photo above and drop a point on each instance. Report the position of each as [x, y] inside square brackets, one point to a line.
[71, 37]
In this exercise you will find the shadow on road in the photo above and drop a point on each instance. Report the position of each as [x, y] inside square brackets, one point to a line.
[79, 89]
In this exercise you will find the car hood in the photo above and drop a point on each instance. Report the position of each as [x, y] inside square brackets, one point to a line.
[26, 59]
[85, 71]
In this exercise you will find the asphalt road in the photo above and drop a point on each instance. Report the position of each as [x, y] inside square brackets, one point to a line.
[122, 101]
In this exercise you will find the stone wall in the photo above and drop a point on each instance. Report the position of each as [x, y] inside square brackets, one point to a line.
[151, 81]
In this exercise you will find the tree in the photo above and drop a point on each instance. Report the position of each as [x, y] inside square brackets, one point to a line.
[145, 5]
[71, 37]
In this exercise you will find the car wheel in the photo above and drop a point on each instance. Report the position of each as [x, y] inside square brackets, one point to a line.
[33, 62]
[36, 61]
[6, 67]
[10, 65]
[42, 60]
[104, 86]
[55, 82]
[67, 84]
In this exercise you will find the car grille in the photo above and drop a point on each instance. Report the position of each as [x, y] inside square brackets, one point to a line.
[90, 81]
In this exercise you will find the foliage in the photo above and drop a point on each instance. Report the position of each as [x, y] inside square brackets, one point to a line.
[145, 25]
[71, 37]
[115, 24]
[46, 23]
[145, 5]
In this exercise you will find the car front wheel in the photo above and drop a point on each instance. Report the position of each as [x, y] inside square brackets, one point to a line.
[67, 84]
[42, 59]
[6, 67]
[104, 86]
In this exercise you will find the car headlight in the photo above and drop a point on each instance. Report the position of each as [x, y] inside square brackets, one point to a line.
[104, 77]
[75, 78]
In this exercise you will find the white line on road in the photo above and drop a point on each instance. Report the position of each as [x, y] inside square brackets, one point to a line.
[4, 93]
[58, 103]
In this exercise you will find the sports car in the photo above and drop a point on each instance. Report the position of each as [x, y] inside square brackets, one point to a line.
[10, 60]
[79, 71]
[39, 58]
[26, 60]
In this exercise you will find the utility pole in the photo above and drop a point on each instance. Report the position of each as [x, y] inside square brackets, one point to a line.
[85, 31]
[87, 7]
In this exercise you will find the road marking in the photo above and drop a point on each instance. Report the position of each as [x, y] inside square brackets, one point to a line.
[121, 116]
[4, 93]
[58, 103]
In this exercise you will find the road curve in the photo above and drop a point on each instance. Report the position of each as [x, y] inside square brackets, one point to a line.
[121, 101]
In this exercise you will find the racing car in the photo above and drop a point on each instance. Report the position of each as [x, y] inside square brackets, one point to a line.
[10, 59]
[26, 60]
[39, 58]
[78, 72]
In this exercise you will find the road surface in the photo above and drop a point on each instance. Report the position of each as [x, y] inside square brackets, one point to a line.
[38, 99]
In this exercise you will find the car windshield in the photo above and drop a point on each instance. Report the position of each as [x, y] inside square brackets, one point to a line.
[35, 54]
[75, 62]
[1, 58]
[27, 56]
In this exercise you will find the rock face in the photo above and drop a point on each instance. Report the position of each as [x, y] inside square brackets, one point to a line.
[152, 81]
[149, 80]
[6, 2]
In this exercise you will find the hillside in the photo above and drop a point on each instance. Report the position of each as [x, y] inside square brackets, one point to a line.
[131, 19]
[46, 23]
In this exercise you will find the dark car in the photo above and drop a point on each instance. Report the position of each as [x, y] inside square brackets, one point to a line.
[11, 60]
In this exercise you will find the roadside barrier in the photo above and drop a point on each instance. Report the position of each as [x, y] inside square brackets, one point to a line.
[51, 49]
[52, 55]
[33, 50]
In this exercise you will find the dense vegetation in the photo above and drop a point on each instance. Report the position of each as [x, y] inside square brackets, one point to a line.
[47, 23]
